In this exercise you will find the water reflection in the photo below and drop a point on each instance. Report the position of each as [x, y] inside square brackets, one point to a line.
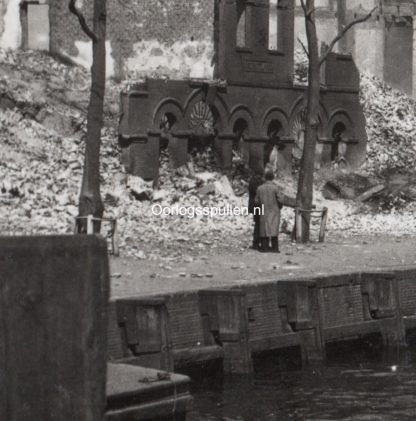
[357, 383]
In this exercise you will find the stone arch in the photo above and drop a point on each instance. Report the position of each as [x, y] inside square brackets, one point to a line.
[341, 130]
[276, 154]
[206, 116]
[241, 126]
[217, 107]
[168, 107]
[341, 116]
[299, 107]
[274, 114]
[241, 112]
[168, 118]
[297, 128]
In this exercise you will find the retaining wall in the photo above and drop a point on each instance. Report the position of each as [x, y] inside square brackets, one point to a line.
[235, 323]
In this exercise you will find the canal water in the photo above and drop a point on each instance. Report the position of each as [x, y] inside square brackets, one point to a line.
[357, 382]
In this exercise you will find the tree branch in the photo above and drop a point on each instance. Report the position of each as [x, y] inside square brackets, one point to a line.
[87, 30]
[302, 2]
[304, 47]
[343, 32]
[309, 12]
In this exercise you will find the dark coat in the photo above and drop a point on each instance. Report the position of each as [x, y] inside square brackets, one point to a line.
[270, 196]
[253, 185]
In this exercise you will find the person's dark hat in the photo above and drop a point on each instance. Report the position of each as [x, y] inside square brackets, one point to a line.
[269, 176]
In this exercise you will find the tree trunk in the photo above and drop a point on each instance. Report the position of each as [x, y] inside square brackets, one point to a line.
[90, 202]
[305, 187]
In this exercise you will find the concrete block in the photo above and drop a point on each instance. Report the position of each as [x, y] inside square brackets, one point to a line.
[53, 320]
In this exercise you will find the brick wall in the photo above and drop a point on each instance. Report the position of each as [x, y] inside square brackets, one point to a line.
[171, 37]
[175, 38]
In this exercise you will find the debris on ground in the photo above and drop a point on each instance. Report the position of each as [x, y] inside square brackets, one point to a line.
[391, 127]
[42, 132]
[371, 193]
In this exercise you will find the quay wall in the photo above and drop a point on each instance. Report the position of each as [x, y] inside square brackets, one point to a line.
[229, 323]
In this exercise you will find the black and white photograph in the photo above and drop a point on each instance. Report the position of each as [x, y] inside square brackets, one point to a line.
[207, 210]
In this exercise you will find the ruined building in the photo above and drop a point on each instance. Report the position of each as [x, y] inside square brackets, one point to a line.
[251, 105]
[385, 45]
[176, 38]
[222, 70]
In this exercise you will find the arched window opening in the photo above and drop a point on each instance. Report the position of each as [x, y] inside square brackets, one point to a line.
[241, 30]
[337, 134]
[271, 148]
[203, 122]
[274, 129]
[298, 131]
[240, 148]
[167, 122]
[240, 130]
[273, 25]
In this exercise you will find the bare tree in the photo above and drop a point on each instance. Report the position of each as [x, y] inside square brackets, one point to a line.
[90, 202]
[305, 185]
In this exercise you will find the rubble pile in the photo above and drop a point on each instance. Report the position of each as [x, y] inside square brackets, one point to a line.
[42, 124]
[390, 121]
[391, 127]
[348, 218]
[42, 130]
[169, 224]
[300, 74]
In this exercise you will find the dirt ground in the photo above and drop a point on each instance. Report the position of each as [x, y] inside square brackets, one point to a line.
[221, 267]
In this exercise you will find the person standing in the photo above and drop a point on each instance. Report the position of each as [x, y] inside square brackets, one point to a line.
[269, 196]
[255, 181]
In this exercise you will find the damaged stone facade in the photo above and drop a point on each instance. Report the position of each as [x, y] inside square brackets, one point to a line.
[385, 45]
[176, 38]
[176, 42]
[171, 38]
[251, 107]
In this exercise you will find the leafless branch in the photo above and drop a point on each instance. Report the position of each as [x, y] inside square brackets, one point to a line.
[74, 10]
[304, 47]
[343, 32]
[302, 2]
[309, 12]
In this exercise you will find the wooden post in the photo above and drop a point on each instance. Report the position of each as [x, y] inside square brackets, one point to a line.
[298, 300]
[323, 225]
[53, 322]
[145, 332]
[114, 239]
[381, 302]
[90, 226]
[227, 317]
[298, 222]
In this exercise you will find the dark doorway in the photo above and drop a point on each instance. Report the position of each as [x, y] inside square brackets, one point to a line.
[337, 134]
[241, 152]
[273, 133]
